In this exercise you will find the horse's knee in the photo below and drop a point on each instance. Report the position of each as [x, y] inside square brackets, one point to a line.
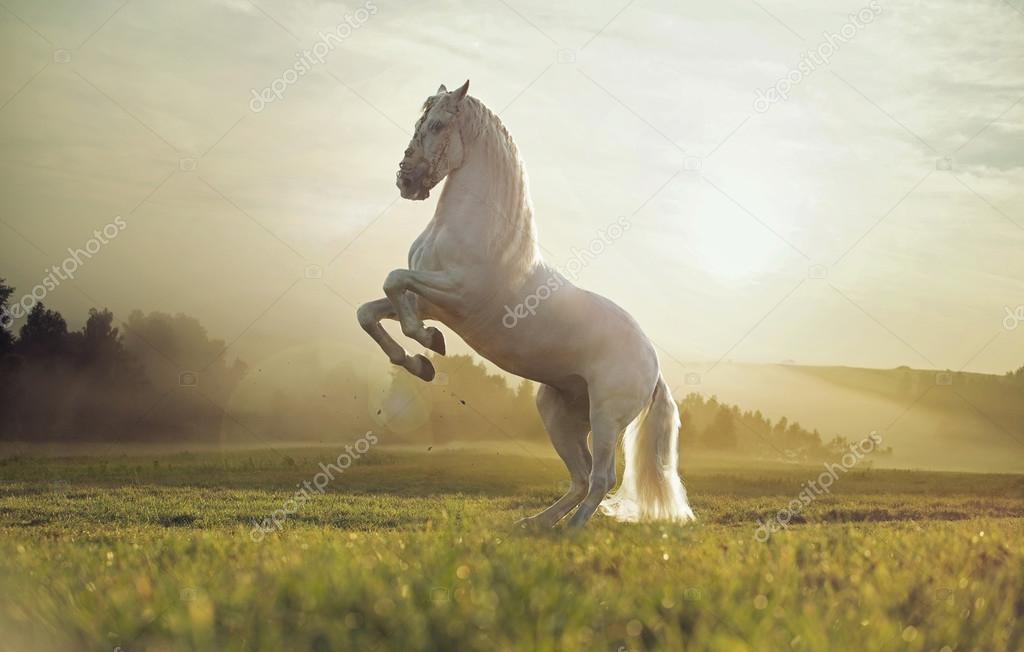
[394, 281]
[366, 316]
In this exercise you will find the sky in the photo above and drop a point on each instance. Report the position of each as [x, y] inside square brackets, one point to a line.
[874, 216]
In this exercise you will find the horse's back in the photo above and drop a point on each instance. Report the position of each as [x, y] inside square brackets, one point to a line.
[554, 330]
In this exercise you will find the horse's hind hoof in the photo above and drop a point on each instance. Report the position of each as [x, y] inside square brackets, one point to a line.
[436, 340]
[528, 523]
[424, 368]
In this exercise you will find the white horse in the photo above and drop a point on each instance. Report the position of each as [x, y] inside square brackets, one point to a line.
[476, 264]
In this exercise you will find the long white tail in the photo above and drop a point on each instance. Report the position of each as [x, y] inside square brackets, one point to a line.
[651, 489]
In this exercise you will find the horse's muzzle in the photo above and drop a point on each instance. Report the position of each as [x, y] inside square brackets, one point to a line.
[411, 186]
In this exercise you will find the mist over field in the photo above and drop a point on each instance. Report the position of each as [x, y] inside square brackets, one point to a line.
[114, 385]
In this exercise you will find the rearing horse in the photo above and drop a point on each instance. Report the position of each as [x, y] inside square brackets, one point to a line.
[476, 264]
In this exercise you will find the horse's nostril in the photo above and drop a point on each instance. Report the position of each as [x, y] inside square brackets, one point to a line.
[408, 152]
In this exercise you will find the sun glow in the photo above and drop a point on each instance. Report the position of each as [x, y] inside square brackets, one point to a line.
[730, 251]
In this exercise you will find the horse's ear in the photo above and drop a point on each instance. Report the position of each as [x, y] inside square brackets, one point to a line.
[461, 91]
[441, 89]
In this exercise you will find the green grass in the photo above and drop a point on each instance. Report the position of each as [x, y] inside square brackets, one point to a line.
[416, 552]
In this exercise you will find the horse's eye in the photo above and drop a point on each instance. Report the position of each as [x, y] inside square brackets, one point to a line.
[436, 126]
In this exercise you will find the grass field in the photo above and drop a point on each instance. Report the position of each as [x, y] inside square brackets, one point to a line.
[415, 551]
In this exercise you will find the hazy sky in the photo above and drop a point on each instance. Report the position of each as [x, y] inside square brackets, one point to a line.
[641, 109]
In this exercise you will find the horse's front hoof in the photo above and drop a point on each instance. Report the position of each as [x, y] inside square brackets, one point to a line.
[424, 369]
[435, 340]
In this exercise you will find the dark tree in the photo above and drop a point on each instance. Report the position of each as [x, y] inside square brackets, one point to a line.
[6, 337]
[44, 335]
[7, 362]
[98, 345]
[93, 384]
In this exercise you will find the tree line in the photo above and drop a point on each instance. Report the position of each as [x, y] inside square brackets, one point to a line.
[127, 382]
[103, 382]
[161, 378]
[712, 425]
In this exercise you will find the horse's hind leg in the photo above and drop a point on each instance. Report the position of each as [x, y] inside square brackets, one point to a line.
[369, 315]
[610, 413]
[567, 423]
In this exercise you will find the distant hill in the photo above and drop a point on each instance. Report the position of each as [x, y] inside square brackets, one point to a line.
[932, 419]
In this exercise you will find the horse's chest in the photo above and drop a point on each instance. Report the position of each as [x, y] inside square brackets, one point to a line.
[434, 251]
[422, 253]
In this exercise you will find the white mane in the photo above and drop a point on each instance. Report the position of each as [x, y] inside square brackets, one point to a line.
[512, 236]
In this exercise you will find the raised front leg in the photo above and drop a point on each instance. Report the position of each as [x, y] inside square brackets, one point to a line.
[369, 315]
[401, 285]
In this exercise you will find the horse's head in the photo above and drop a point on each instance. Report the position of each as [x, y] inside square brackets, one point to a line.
[436, 145]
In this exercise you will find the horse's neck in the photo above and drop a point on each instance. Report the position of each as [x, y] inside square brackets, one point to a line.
[487, 200]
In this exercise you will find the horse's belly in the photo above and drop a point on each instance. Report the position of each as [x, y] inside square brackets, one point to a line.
[523, 350]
